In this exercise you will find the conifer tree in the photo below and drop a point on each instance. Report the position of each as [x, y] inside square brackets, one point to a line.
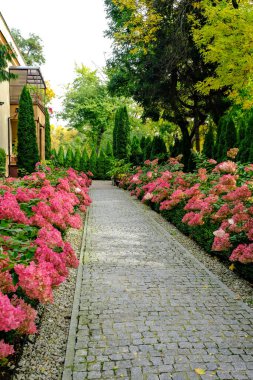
[61, 156]
[53, 154]
[77, 160]
[2, 162]
[108, 166]
[158, 148]
[121, 134]
[47, 136]
[136, 156]
[28, 154]
[69, 158]
[84, 163]
[93, 163]
[147, 149]
[209, 143]
[230, 136]
[246, 146]
[101, 170]
[109, 152]
[220, 139]
[143, 143]
[115, 134]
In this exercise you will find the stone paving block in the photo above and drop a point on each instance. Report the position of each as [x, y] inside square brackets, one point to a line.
[148, 310]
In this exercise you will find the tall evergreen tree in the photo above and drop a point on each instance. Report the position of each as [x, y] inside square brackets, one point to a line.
[121, 134]
[61, 156]
[158, 148]
[209, 143]
[84, 163]
[101, 170]
[147, 149]
[143, 143]
[47, 136]
[109, 152]
[93, 163]
[246, 146]
[28, 153]
[115, 134]
[76, 160]
[220, 139]
[136, 156]
[69, 158]
[230, 136]
[2, 162]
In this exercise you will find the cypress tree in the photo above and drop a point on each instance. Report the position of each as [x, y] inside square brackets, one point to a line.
[147, 149]
[230, 136]
[101, 166]
[121, 134]
[84, 163]
[2, 162]
[158, 148]
[93, 163]
[246, 146]
[136, 156]
[108, 166]
[115, 134]
[143, 143]
[220, 139]
[241, 132]
[53, 154]
[77, 160]
[28, 154]
[109, 152]
[47, 136]
[61, 157]
[69, 158]
[209, 143]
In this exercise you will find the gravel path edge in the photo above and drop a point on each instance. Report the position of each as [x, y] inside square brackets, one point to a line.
[70, 350]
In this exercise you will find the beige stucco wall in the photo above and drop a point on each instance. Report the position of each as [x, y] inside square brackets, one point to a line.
[6, 38]
[4, 114]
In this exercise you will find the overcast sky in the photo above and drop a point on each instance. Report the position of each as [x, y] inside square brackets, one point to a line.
[72, 33]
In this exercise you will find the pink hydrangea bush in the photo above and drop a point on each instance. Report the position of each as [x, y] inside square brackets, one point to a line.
[218, 197]
[34, 258]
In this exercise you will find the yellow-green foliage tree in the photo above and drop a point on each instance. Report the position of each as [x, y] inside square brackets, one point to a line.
[62, 136]
[225, 40]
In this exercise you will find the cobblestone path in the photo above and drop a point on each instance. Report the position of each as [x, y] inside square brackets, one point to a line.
[148, 309]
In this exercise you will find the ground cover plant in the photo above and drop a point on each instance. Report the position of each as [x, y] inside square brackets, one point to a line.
[213, 204]
[35, 212]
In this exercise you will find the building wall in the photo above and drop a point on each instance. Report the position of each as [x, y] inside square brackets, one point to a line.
[4, 114]
[6, 39]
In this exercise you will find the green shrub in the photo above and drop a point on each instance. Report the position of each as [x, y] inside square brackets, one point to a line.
[136, 156]
[209, 143]
[158, 148]
[2, 162]
[28, 154]
[84, 163]
[93, 163]
[69, 158]
[121, 134]
[47, 136]
[76, 160]
[61, 157]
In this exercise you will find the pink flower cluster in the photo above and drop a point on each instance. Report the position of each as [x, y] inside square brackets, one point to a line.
[222, 196]
[47, 203]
